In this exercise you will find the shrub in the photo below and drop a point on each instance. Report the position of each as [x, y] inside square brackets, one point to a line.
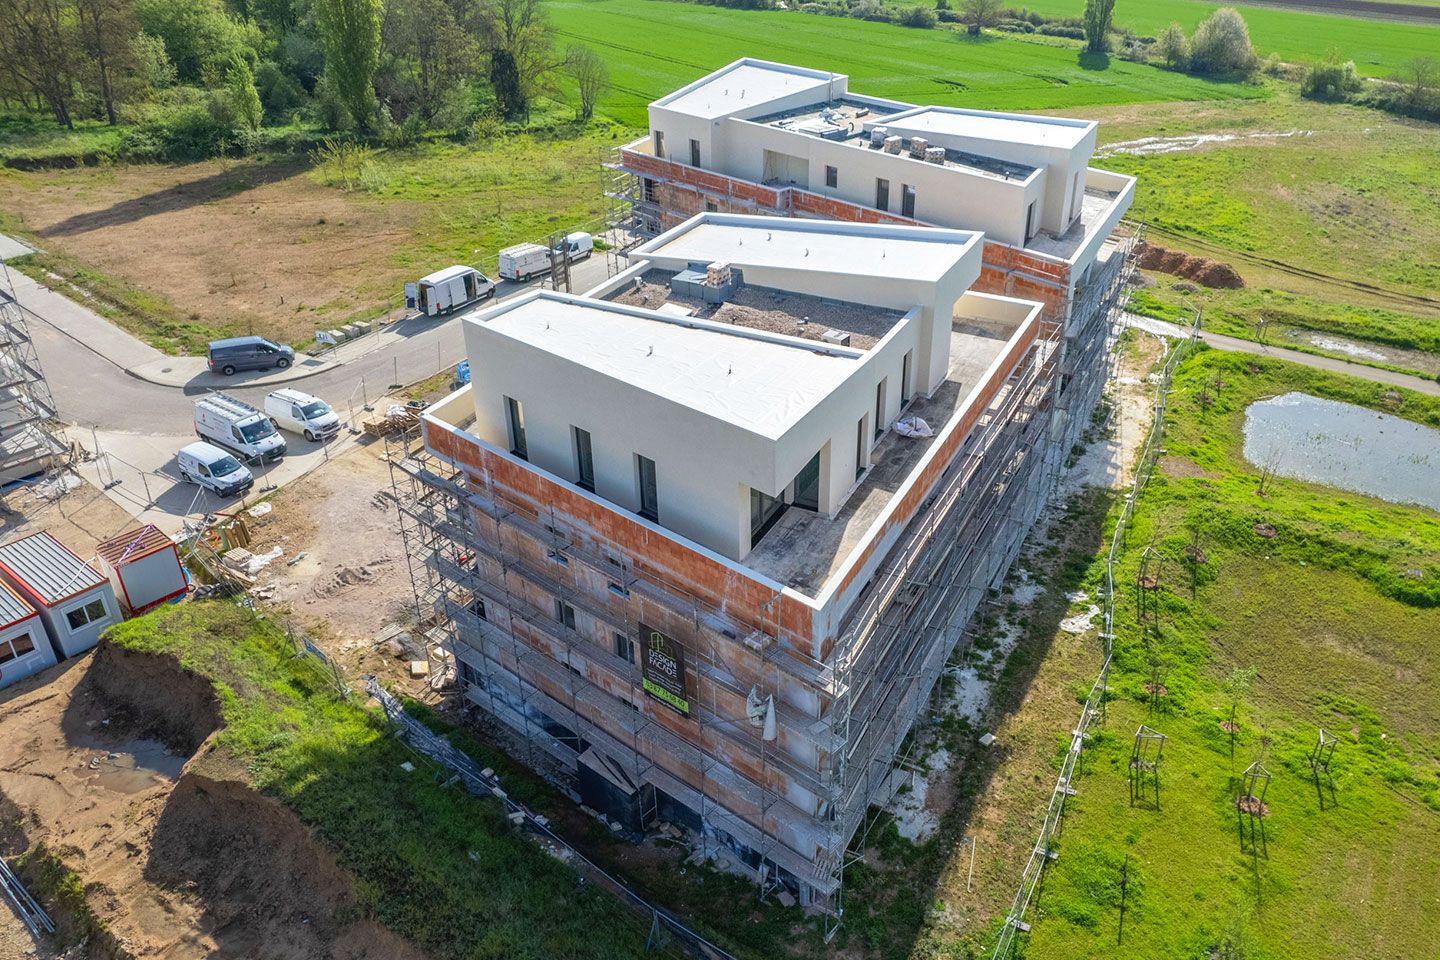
[1061, 30]
[1016, 26]
[279, 93]
[1221, 45]
[921, 17]
[329, 110]
[870, 10]
[1172, 48]
[1330, 80]
[947, 16]
[189, 133]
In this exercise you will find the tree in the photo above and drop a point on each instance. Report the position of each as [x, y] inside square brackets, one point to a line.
[1098, 14]
[1237, 687]
[424, 55]
[350, 34]
[107, 28]
[1330, 79]
[979, 14]
[921, 17]
[35, 52]
[1172, 47]
[244, 98]
[1221, 45]
[590, 74]
[522, 52]
[199, 36]
[1421, 78]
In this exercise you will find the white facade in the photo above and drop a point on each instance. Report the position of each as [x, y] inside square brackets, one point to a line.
[24, 649]
[722, 410]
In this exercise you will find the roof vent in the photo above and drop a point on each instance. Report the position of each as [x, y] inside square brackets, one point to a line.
[878, 135]
[934, 154]
[918, 146]
[894, 145]
[836, 338]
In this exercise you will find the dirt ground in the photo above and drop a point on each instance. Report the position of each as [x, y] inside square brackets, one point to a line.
[179, 857]
[352, 579]
[241, 244]
[80, 519]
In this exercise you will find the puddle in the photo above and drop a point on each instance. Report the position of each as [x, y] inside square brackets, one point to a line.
[1359, 350]
[1345, 446]
[1147, 146]
[135, 766]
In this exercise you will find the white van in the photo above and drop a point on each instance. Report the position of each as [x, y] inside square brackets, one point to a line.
[302, 413]
[237, 426]
[449, 289]
[576, 246]
[523, 261]
[214, 469]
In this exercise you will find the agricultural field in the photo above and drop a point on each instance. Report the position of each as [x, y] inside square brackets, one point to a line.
[1379, 47]
[1330, 621]
[1307, 202]
[180, 254]
[655, 46]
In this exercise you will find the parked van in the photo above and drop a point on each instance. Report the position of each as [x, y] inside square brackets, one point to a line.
[301, 413]
[576, 246]
[523, 261]
[214, 469]
[248, 353]
[448, 289]
[237, 426]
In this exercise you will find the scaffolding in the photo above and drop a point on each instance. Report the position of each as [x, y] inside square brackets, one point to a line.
[29, 442]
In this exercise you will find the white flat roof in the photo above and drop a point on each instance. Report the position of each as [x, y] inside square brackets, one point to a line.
[822, 246]
[745, 84]
[756, 381]
[1056, 132]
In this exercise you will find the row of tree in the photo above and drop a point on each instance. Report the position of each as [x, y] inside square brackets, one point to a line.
[351, 62]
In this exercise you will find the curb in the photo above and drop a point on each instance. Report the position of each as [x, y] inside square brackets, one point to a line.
[238, 384]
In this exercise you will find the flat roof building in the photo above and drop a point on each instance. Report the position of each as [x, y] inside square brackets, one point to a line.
[73, 600]
[708, 534]
[757, 137]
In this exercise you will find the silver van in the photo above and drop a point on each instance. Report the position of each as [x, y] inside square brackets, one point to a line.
[214, 469]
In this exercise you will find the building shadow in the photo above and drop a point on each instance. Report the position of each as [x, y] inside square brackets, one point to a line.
[181, 196]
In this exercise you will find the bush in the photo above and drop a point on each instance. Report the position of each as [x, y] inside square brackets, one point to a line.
[947, 16]
[1172, 48]
[329, 110]
[1330, 80]
[1221, 45]
[188, 134]
[921, 17]
[1061, 30]
[870, 10]
[1015, 26]
[279, 93]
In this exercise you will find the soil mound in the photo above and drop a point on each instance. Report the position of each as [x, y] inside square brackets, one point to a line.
[150, 695]
[1203, 270]
[267, 887]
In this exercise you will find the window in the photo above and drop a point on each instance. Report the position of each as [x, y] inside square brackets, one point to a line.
[832, 177]
[618, 589]
[659, 144]
[469, 674]
[624, 649]
[907, 200]
[91, 612]
[905, 377]
[649, 493]
[515, 420]
[694, 153]
[584, 461]
[807, 485]
[882, 193]
[710, 206]
[879, 409]
[1030, 221]
[477, 607]
[565, 613]
[649, 191]
[860, 463]
[15, 647]
[764, 511]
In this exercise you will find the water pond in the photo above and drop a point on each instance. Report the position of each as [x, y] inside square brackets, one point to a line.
[1345, 446]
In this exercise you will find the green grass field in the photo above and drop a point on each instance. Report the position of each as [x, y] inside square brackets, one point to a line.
[1378, 47]
[655, 46]
[1339, 615]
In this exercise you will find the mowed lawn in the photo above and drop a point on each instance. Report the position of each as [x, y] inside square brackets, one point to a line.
[1378, 47]
[1339, 616]
[655, 46]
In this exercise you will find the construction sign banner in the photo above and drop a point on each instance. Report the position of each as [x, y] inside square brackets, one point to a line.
[663, 670]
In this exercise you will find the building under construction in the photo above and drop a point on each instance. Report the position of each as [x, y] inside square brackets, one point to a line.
[28, 441]
[707, 535]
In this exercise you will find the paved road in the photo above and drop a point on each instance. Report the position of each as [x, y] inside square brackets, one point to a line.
[84, 358]
[1237, 345]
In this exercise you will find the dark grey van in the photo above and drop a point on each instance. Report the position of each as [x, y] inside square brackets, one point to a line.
[248, 353]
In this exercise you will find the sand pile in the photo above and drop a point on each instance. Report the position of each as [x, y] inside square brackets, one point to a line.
[1203, 270]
